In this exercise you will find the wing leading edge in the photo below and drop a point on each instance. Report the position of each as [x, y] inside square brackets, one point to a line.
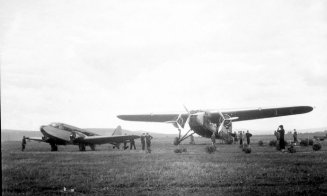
[259, 113]
[108, 139]
[150, 117]
[239, 114]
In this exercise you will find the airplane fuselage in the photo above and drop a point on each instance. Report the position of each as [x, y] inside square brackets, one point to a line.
[62, 134]
[205, 125]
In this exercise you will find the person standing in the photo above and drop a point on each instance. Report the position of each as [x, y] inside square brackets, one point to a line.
[192, 139]
[132, 144]
[241, 138]
[244, 137]
[143, 141]
[295, 136]
[235, 137]
[148, 139]
[125, 144]
[213, 140]
[281, 132]
[276, 133]
[248, 135]
[23, 143]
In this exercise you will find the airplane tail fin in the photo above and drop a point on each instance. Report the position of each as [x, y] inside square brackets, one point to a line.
[118, 131]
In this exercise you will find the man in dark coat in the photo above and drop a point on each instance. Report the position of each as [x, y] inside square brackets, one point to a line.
[132, 144]
[143, 141]
[248, 135]
[295, 136]
[148, 139]
[281, 132]
[23, 143]
[235, 137]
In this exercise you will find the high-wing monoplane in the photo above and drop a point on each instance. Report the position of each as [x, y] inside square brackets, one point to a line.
[214, 123]
[62, 134]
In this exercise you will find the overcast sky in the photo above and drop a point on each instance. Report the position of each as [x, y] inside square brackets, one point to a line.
[84, 62]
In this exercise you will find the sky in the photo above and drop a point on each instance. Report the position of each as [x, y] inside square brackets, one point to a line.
[84, 62]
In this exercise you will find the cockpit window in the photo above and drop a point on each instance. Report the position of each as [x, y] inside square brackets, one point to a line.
[67, 128]
[55, 125]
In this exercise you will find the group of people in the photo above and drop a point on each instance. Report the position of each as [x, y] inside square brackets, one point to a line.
[243, 137]
[145, 141]
[131, 144]
[280, 136]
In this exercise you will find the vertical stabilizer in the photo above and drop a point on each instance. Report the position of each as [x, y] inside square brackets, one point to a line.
[118, 131]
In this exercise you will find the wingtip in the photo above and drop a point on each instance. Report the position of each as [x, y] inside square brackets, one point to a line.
[309, 108]
[119, 116]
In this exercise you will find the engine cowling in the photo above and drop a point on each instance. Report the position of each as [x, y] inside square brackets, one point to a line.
[197, 119]
[75, 136]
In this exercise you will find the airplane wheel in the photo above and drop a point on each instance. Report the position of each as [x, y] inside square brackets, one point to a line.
[81, 147]
[54, 147]
[176, 141]
[92, 147]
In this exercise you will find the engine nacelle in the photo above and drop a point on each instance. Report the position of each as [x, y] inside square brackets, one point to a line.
[75, 136]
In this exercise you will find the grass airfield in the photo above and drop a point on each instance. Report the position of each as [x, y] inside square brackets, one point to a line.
[107, 171]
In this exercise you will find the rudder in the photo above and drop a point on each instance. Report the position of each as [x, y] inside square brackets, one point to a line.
[118, 131]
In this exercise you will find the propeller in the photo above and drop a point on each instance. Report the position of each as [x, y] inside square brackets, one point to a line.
[180, 125]
[179, 122]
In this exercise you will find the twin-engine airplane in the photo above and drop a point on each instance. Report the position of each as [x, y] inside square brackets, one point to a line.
[214, 123]
[62, 134]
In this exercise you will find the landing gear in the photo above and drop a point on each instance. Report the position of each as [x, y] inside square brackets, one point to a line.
[180, 138]
[92, 146]
[116, 146]
[54, 147]
[81, 147]
[179, 124]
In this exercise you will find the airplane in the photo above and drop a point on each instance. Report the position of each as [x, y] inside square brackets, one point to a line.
[214, 123]
[63, 134]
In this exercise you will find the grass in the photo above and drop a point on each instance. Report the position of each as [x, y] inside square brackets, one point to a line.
[264, 171]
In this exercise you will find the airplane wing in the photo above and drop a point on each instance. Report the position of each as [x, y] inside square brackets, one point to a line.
[235, 114]
[259, 113]
[150, 117]
[108, 139]
[38, 139]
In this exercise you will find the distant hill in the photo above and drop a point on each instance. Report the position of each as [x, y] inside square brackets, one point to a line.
[17, 135]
